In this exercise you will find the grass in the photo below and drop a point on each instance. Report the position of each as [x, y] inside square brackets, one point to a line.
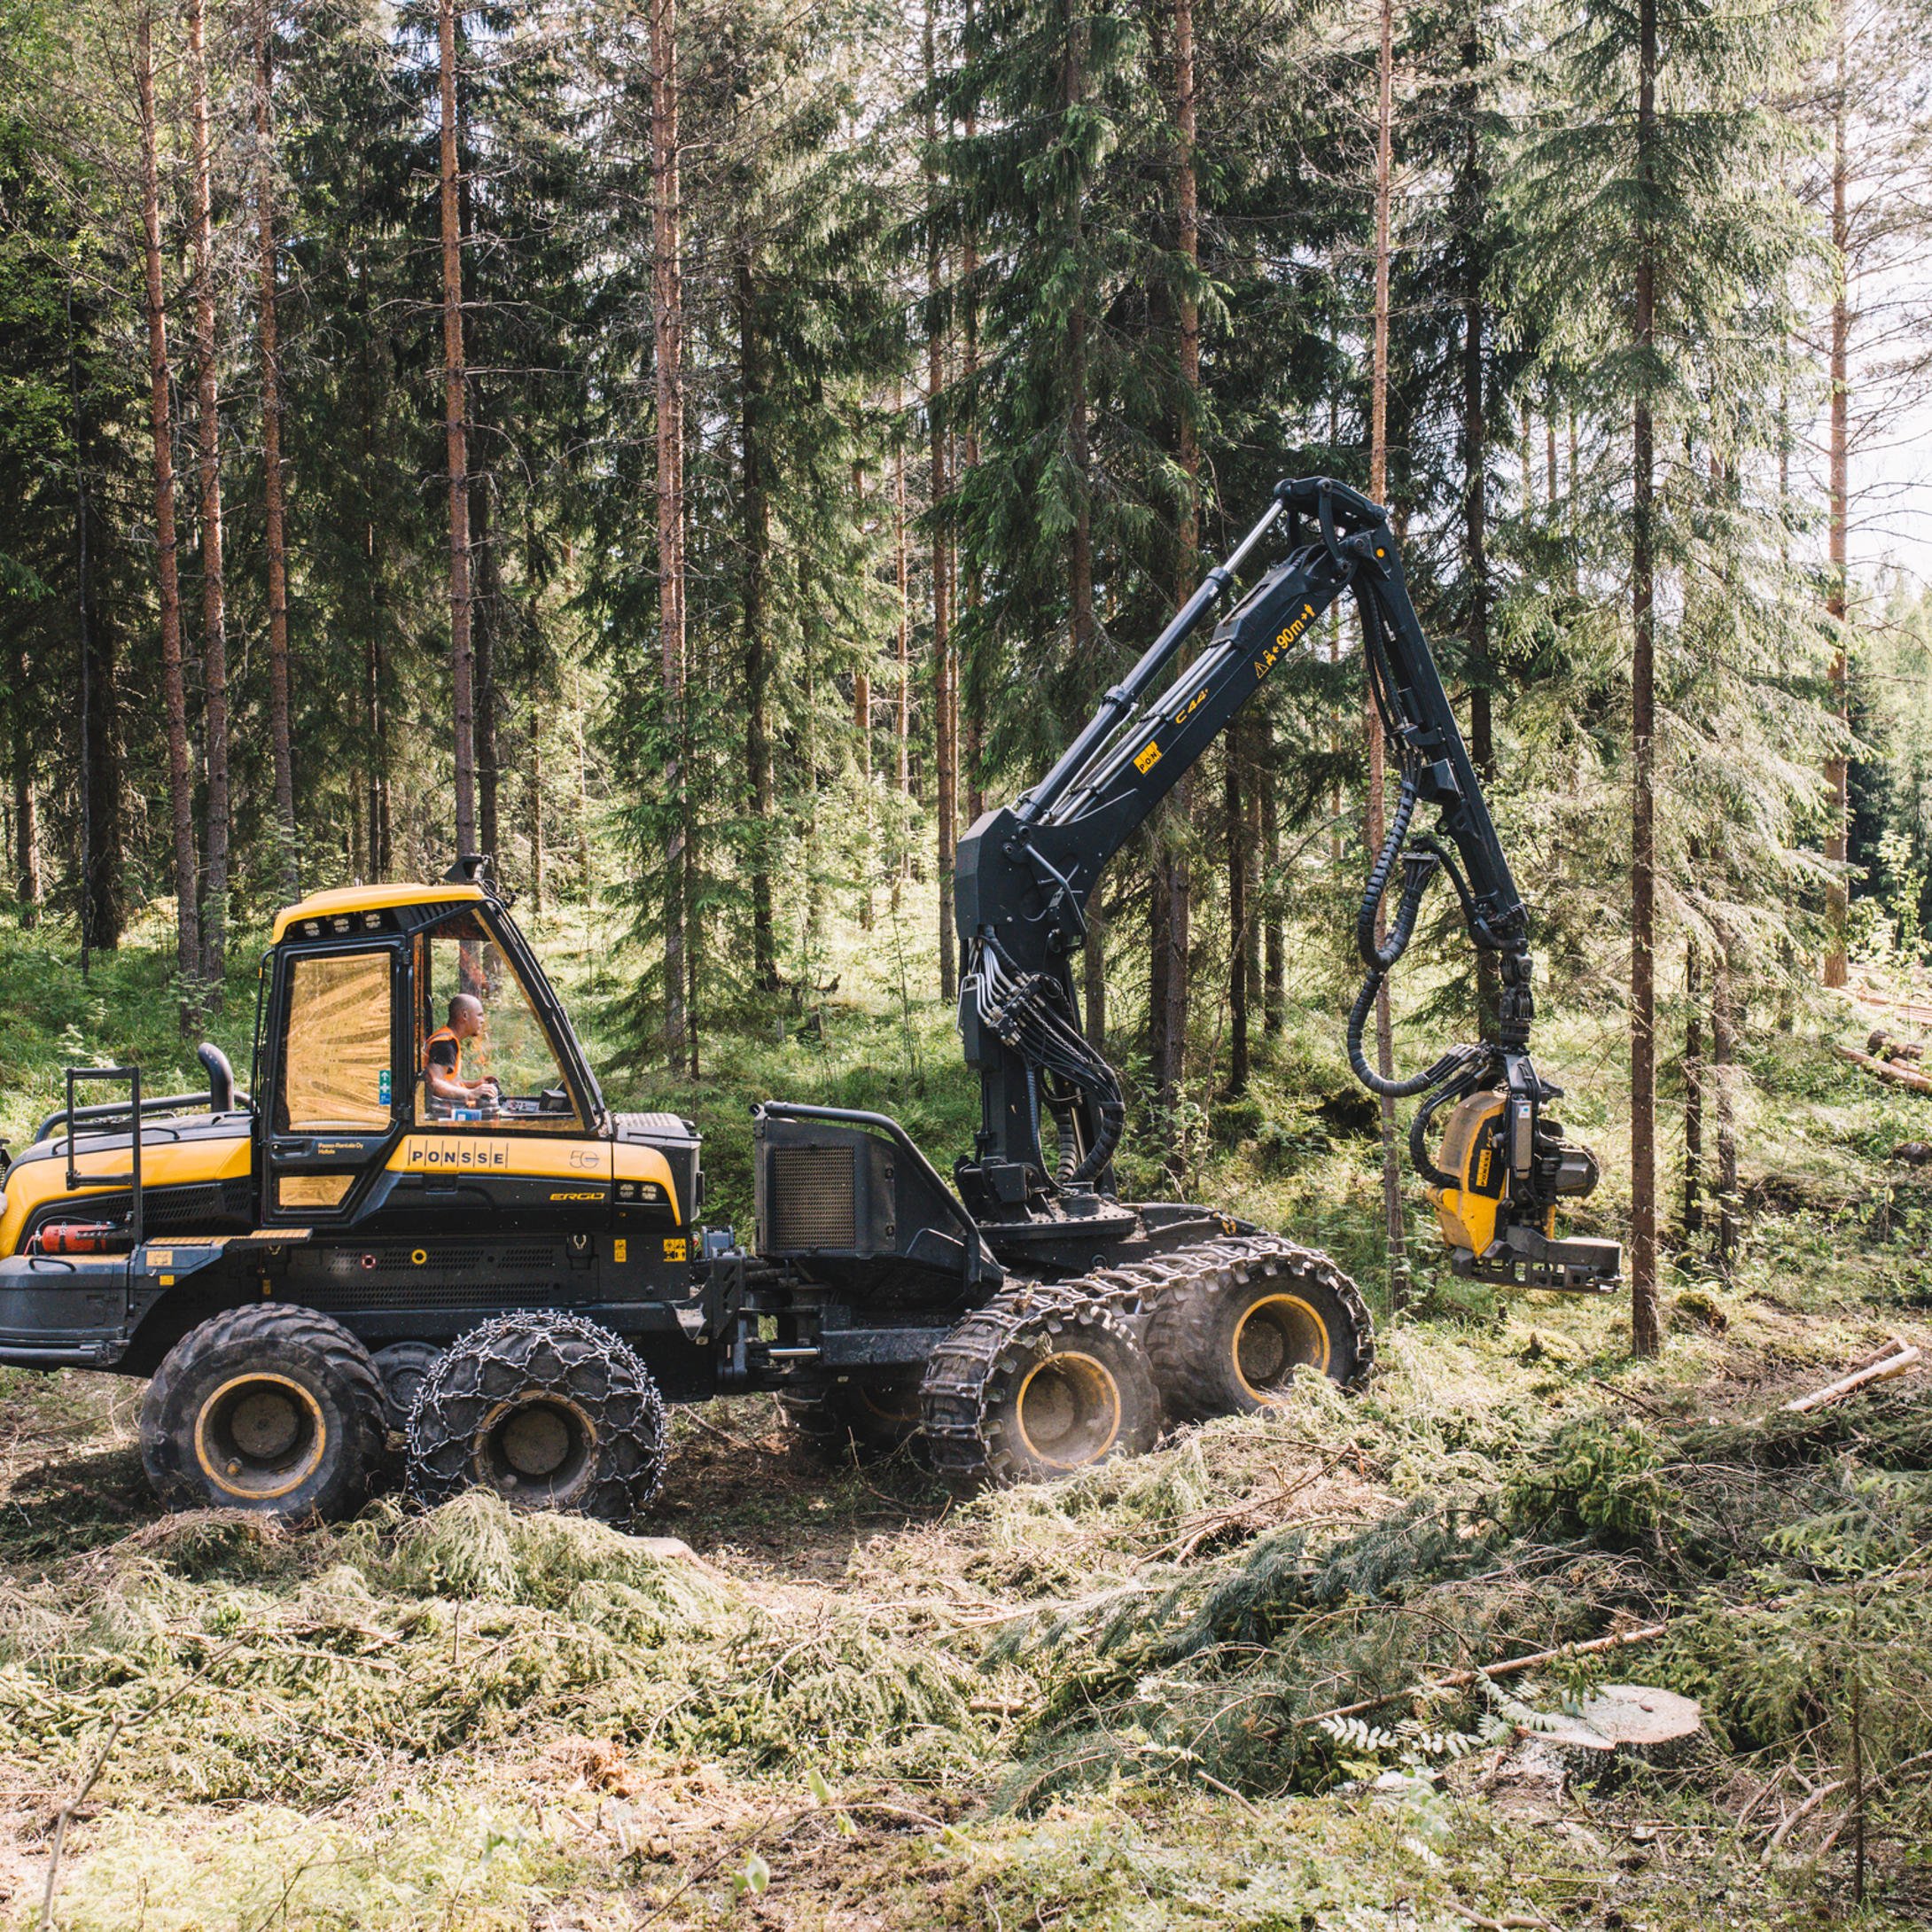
[867, 1706]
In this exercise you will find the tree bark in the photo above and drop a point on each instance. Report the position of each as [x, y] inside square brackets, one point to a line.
[1378, 485]
[668, 304]
[535, 805]
[1274, 963]
[214, 600]
[1172, 933]
[1836, 769]
[755, 518]
[946, 752]
[1724, 1072]
[902, 719]
[1474, 490]
[1647, 1333]
[455, 419]
[973, 729]
[1236, 829]
[174, 686]
[26, 807]
[275, 537]
[486, 623]
[1694, 1094]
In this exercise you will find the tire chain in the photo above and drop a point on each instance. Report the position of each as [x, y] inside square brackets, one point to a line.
[631, 1410]
[952, 1392]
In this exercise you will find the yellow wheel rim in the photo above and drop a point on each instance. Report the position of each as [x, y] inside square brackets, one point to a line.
[261, 1436]
[1069, 1410]
[1274, 1337]
[535, 1448]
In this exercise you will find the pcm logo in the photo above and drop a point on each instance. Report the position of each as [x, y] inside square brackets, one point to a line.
[1147, 756]
[1265, 663]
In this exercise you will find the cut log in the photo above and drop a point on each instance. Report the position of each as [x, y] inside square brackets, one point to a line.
[1890, 1047]
[1897, 1076]
[1896, 1359]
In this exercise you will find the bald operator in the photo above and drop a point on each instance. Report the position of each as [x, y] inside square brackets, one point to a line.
[442, 1061]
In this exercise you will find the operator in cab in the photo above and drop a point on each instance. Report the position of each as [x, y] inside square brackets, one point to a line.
[442, 1059]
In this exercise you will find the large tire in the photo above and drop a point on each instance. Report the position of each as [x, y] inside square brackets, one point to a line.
[404, 1366]
[863, 1417]
[548, 1410]
[272, 1408]
[1226, 1335]
[1034, 1385]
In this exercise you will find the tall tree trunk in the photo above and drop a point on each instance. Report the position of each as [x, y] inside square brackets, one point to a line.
[534, 805]
[668, 303]
[273, 523]
[26, 806]
[1836, 770]
[174, 686]
[972, 742]
[1378, 485]
[1694, 1094]
[946, 752]
[486, 624]
[1647, 1333]
[1475, 486]
[455, 421]
[902, 718]
[214, 601]
[99, 799]
[1275, 961]
[1093, 965]
[1724, 1077]
[755, 515]
[1238, 915]
[1172, 932]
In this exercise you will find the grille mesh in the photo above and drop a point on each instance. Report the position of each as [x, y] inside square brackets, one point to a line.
[810, 1201]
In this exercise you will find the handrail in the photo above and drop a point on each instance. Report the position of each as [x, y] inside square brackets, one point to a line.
[108, 1111]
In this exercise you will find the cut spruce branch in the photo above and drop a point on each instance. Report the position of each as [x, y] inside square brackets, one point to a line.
[1893, 1360]
[1884, 1070]
[1509, 1667]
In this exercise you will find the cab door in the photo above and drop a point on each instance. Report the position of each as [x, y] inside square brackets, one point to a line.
[334, 1114]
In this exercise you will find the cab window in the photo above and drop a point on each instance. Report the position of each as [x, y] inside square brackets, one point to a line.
[336, 1056]
[501, 1055]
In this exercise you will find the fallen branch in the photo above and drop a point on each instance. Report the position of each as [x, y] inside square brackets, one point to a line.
[1823, 1792]
[1898, 1076]
[1509, 1667]
[1893, 1360]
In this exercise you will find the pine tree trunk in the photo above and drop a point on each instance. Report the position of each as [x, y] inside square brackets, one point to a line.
[1274, 963]
[1694, 1094]
[945, 754]
[1172, 932]
[902, 719]
[174, 686]
[274, 538]
[1647, 1335]
[667, 300]
[1094, 971]
[214, 600]
[1724, 1071]
[1234, 828]
[26, 807]
[584, 867]
[455, 419]
[755, 518]
[99, 789]
[485, 618]
[972, 742]
[535, 805]
[1476, 506]
[1836, 770]
[1378, 485]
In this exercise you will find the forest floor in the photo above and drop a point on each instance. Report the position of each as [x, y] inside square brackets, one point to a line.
[862, 1703]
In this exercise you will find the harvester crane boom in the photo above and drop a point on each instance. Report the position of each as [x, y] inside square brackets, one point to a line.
[1026, 872]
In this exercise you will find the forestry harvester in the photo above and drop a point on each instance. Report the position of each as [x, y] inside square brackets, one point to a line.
[380, 1245]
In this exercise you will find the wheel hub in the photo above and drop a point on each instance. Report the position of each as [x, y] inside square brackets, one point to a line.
[538, 1450]
[259, 1437]
[1069, 1410]
[1274, 1337]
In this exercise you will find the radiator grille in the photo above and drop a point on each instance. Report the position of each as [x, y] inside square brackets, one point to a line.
[811, 1199]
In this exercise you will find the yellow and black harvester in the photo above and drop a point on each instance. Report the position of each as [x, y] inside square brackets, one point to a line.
[410, 1238]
